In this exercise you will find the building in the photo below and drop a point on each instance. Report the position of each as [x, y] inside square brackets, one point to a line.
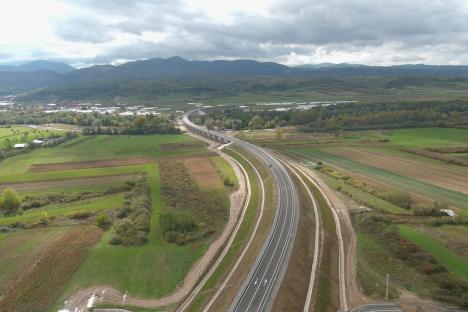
[38, 142]
[20, 146]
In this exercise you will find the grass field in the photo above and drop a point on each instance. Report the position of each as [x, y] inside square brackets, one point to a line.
[445, 256]
[71, 174]
[429, 137]
[374, 262]
[152, 270]
[94, 205]
[21, 134]
[105, 147]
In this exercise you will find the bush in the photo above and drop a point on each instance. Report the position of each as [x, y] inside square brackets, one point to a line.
[177, 222]
[82, 214]
[227, 182]
[134, 224]
[11, 200]
[401, 199]
[103, 221]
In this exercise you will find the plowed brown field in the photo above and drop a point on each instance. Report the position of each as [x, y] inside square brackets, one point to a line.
[448, 176]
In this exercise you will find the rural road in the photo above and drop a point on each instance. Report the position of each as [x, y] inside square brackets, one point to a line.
[259, 289]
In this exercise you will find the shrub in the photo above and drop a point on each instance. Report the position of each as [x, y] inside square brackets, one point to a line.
[11, 200]
[134, 224]
[401, 199]
[103, 221]
[227, 182]
[82, 214]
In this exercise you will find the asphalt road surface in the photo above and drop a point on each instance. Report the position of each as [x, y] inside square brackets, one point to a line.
[260, 287]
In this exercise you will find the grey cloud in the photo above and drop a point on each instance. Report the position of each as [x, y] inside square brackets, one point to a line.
[413, 29]
[83, 29]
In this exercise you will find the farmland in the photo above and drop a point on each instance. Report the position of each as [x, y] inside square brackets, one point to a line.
[384, 181]
[21, 134]
[87, 182]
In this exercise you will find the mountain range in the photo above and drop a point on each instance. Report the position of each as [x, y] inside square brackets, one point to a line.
[57, 67]
[43, 74]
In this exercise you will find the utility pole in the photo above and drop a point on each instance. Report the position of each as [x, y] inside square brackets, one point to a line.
[386, 288]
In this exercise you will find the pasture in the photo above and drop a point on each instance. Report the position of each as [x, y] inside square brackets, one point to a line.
[21, 134]
[94, 172]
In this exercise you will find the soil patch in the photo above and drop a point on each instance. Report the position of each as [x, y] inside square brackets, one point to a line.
[106, 163]
[176, 146]
[44, 185]
[456, 180]
[203, 172]
[36, 288]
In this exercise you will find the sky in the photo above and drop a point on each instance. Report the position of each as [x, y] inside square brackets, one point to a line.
[292, 32]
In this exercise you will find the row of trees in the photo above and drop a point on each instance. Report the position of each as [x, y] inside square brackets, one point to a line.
[94, 122]
[349, 116]
[149, 124]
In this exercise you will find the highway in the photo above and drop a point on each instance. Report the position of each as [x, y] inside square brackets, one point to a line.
[259, 289]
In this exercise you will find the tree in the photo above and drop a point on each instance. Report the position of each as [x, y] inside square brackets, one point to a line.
[256, 122]
[7, 144]
[11, 200]
[103, 221]
[278, 134]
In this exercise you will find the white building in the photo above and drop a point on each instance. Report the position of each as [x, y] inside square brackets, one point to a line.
[20, 146]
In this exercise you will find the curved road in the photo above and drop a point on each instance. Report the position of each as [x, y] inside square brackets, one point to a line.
[264, 279]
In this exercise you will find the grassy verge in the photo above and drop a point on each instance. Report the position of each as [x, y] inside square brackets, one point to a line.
[445, 256]
[226, 169]
[240, 239]
[327, 283]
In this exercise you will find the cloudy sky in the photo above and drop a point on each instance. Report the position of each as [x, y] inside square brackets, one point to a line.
[377, 32]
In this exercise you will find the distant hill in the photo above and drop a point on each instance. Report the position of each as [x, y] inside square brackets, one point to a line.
[12, 82]
[177, 67]
[45, 74]
[359, 70]
[57, 67]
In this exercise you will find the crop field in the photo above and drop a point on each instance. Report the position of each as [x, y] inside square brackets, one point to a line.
[367, 168]
[116, 147]
[444, 175]
[37, 264]
[445, 256]
[426, 137]
[429, 190]
[64, 187]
